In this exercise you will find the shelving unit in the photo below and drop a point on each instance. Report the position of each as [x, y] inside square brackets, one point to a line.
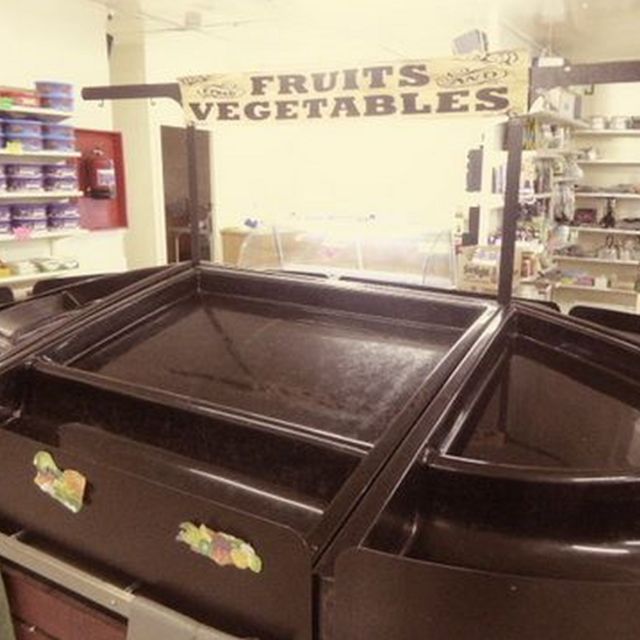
[35, 277]
[40, 157]
[591, 238]
[12, 156]
[613, 163]
[607, 194]
[550, 117]
[35, 113]
[613, 133]
[44, 235]
[603, 261]
[612, 230]
[610, 290]
[36, 196]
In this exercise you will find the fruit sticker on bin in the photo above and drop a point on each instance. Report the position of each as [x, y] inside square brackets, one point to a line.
[66, 487]
[223, 548]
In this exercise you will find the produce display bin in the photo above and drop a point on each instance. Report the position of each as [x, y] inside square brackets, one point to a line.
[512, 512]
[210, 433]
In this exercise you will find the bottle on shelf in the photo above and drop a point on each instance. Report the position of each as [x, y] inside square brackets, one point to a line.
[609, 219]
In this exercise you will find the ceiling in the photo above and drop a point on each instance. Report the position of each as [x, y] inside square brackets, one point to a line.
[581, 30]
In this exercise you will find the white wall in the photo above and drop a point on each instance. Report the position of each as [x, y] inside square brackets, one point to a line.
[404, 170]
[57, 40]
[61, 40]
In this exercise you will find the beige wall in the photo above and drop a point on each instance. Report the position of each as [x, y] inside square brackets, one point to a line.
[61, 40]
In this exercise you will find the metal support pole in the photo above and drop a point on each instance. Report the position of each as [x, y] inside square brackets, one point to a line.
[192, 172]
[515, 136]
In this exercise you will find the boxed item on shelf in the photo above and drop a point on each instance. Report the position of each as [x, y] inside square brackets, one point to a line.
[3, 183]
[31, 223]
[47, 264]
[61, 224]
[5, 227]
[29, 210]
[19, 97]
[23, 170]
[22, 127]
[58, 102]
[63, 210]
[55, 95]
[480, 267]
[24, 184]
[5, 213]
[57, 130]
[21, 142]
[60, 184]
[22, 267]
[58, 143]
[49, 87]
[60, 171]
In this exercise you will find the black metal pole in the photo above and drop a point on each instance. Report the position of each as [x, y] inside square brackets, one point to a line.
[515, 136]
[192, 171]
[133, 92]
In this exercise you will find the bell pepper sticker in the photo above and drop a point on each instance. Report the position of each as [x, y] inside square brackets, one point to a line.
[66, 487]
[222, 548]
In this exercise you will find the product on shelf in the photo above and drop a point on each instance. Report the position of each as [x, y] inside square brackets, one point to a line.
[63, 216]
[60, 184]
[15, 96]
[60, 171]
[5, 213]
[30, 223]
[57, 130]
[47, 264]
[56, 102]
[29, 210]
[63, 210]
[49, 87]
[3, 183]
[24, 184]
[58, 143]
[23, 170]
[22, 127]
[5, 227]
[55, 95]
[22, 267]
[19, 142]
[61, 224]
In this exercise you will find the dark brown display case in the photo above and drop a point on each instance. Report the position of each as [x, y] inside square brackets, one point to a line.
[512, 513]
[259, 405]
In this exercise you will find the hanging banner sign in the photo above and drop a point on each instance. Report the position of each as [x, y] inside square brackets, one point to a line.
[495, 83]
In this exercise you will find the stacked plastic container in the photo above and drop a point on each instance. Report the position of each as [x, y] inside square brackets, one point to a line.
[24, 135]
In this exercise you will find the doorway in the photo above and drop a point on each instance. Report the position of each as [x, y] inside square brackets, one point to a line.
[176, 193]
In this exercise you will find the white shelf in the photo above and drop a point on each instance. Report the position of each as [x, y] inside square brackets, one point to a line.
[581, 287]
[37, 113]
[612, 163]
[550, 117]
[21, 196]
[576, 259]
[547, 195]
[551, 154]
[610, 132]
[607, 194]
[34, 277]
[7, 157]
[44, 235]
[626, 232]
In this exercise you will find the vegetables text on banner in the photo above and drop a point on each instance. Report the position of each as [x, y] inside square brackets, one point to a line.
[493, 84]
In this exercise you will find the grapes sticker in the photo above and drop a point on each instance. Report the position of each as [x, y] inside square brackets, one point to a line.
[223, 548]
